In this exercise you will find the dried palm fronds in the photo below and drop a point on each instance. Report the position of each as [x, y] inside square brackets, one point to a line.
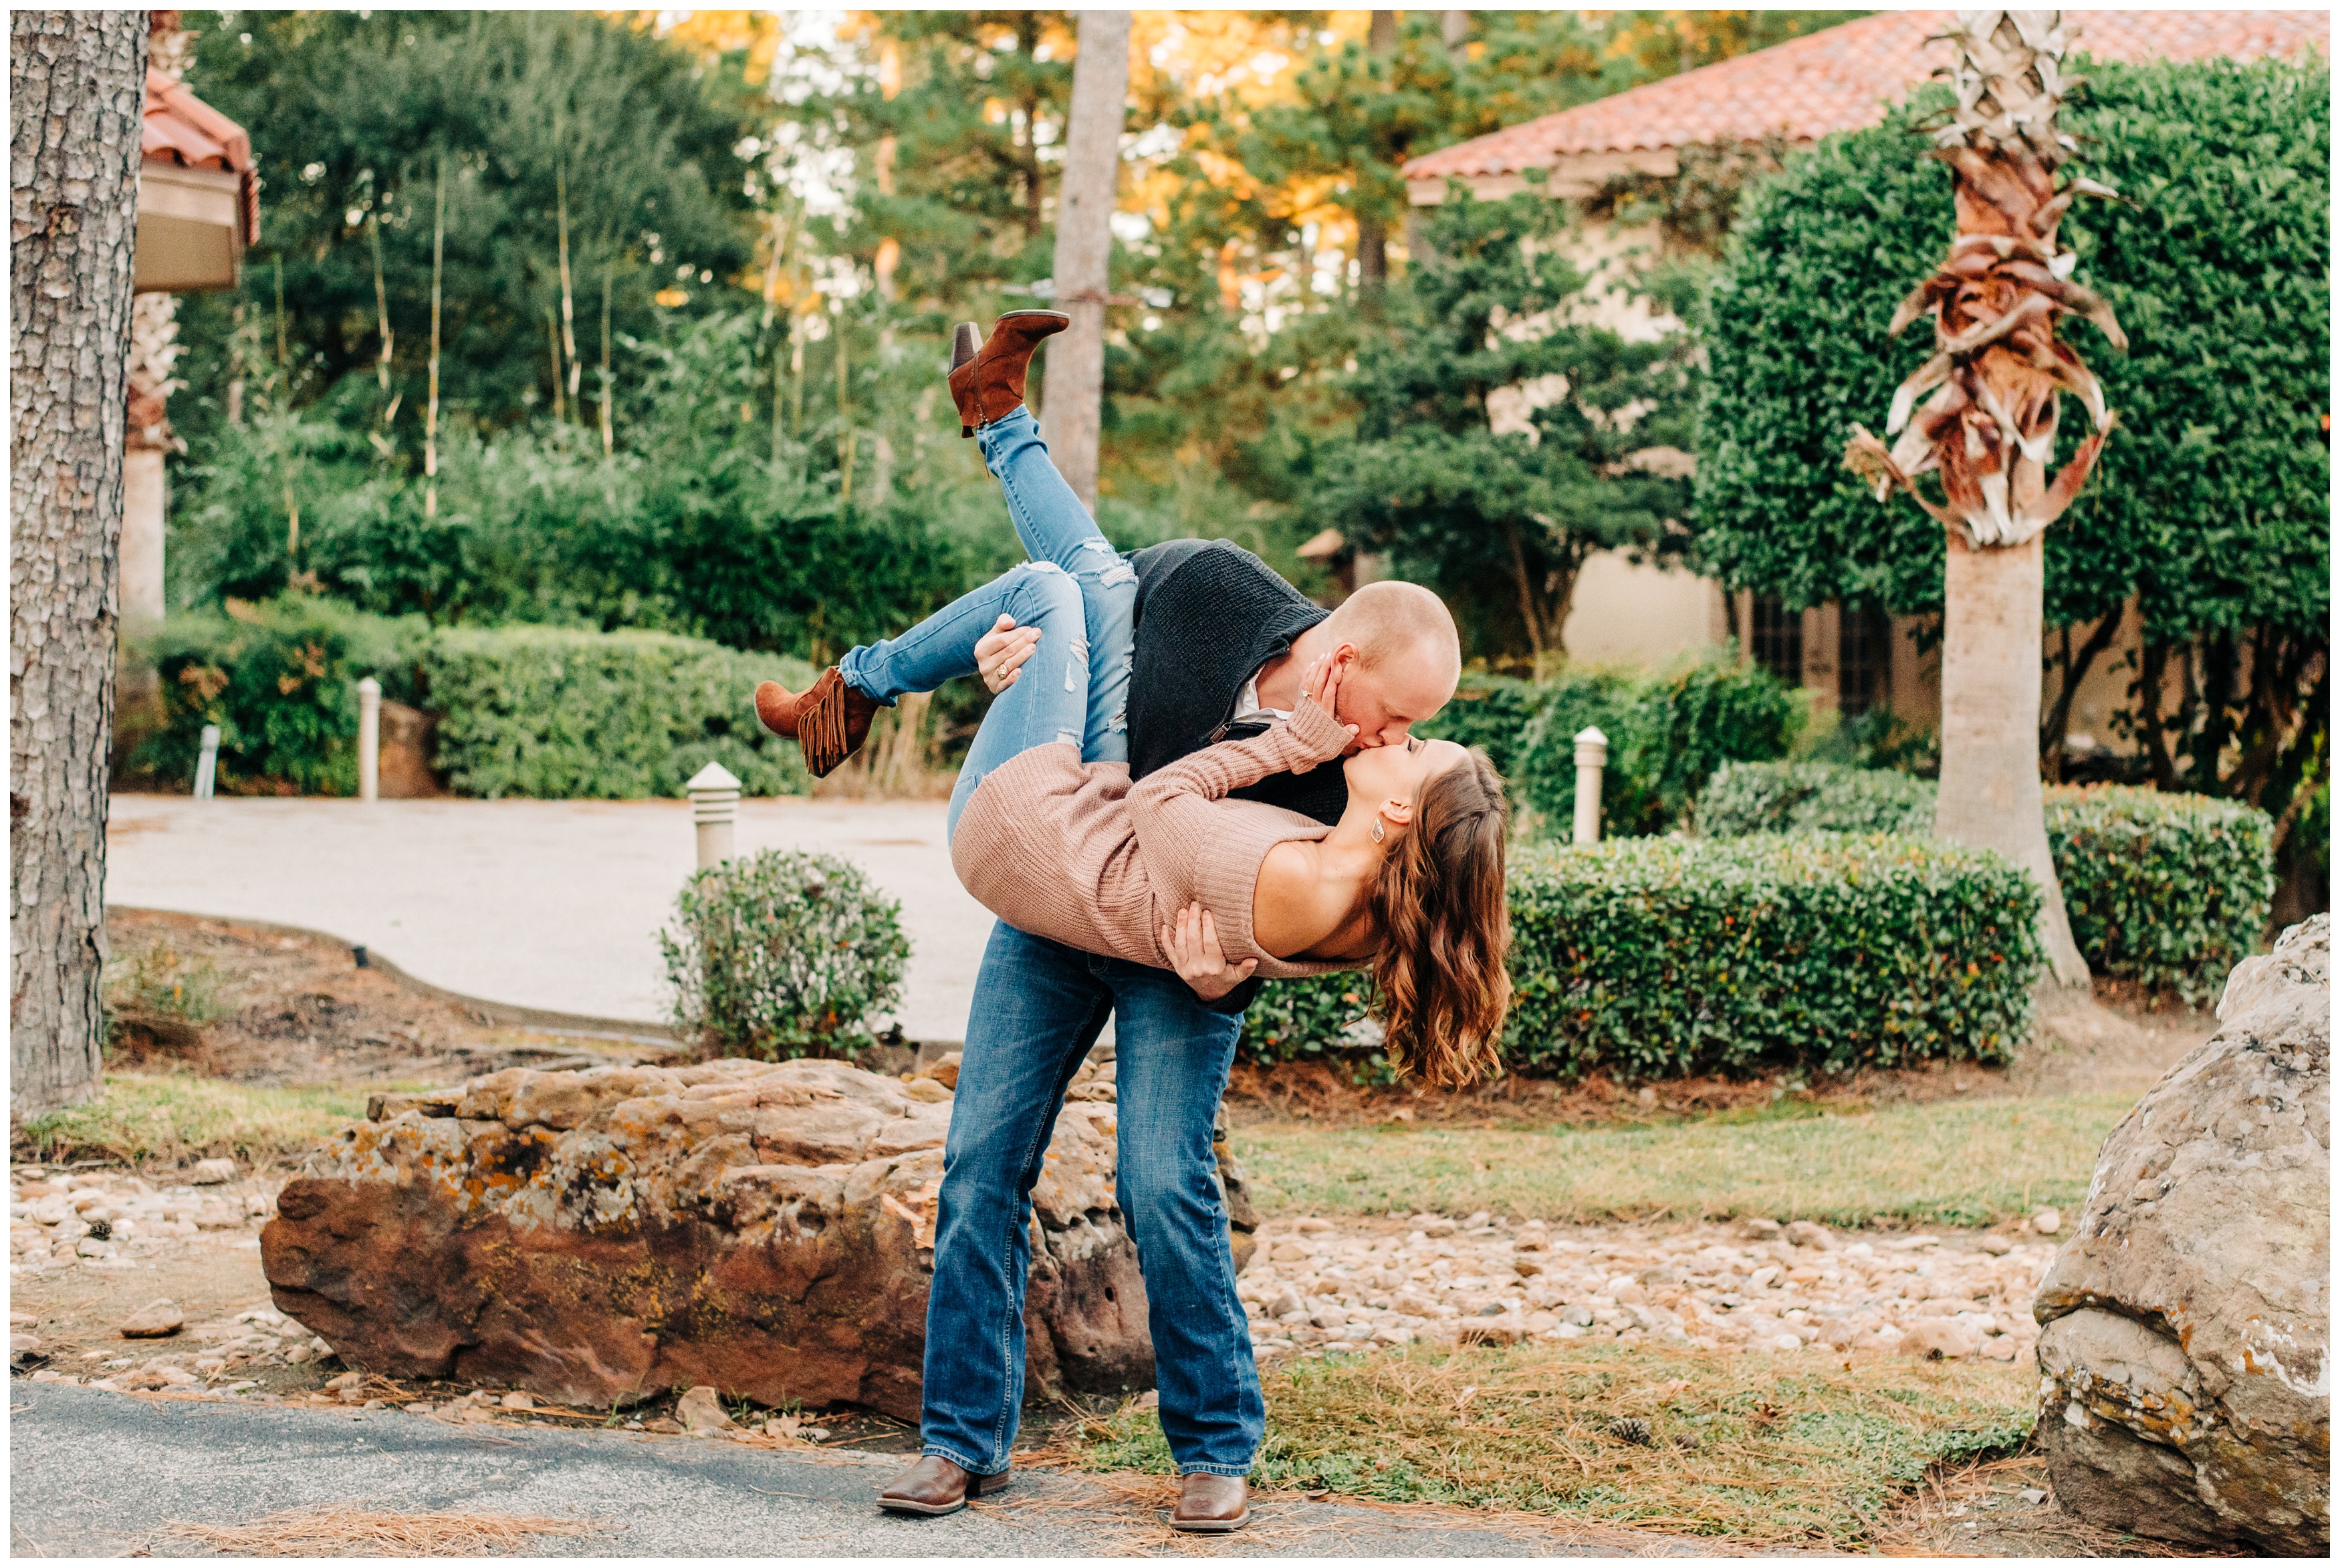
[1989, 427]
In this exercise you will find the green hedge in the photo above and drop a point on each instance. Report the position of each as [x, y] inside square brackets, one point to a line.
[1668, 732]
[2170, 891]
[1802, 797]
[1661, 957]
[614, 716]
[524, 710]
[280, 679]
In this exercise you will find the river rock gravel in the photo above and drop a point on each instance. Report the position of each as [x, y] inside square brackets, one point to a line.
[1753, 1285]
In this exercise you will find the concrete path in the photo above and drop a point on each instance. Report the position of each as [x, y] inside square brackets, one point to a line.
[550, 904]
[93, 1474]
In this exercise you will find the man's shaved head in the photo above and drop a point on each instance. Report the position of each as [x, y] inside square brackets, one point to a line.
[1394, 621]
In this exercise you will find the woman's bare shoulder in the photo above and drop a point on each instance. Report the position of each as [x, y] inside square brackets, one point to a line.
[1284, 914]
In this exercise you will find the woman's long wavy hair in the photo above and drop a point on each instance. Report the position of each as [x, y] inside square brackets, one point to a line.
[1446, 928]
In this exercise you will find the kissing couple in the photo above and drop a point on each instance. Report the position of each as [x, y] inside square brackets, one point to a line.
[1153, 810]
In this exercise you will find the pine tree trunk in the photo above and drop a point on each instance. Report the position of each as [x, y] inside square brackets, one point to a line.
[1990, 793]
[77, 81]
[1373, 231]
[1075, 384]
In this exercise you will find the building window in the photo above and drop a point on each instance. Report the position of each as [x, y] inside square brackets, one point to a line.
[1864, 674]
[1776, 637]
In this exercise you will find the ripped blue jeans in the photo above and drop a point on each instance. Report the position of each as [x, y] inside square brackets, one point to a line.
[1077, 589]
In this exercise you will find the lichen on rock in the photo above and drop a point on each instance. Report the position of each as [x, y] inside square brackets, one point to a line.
[766, 1230]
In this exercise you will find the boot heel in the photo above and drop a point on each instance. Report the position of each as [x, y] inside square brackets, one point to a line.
[966, 340]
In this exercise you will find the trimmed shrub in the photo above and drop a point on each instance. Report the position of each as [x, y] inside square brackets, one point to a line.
[1663, 957]
[280, 679]
[2170, 891]
[1667, 733]
[781, 954]
[1802, 797]
[1827, 951]
[611, 715]
[1317, 1018]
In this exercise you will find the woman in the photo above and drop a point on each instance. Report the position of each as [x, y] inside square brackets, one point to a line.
[1048, 833]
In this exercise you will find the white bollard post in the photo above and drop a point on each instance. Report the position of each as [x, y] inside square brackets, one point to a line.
[1592, 756]
[369, 739]
[207, 763]
[714, 807]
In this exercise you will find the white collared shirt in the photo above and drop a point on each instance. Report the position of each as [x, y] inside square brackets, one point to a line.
[1248, 710]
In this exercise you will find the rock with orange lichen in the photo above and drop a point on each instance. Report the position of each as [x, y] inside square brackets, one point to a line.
[764, 1230]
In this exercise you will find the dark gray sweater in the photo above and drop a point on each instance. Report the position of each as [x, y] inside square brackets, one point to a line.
[1209, 615]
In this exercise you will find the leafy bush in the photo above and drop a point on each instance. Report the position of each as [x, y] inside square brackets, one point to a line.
[542, 711]
[781, 954]
[2170, 891]
[2167, 890]
[280, 679]
[1659, 957]
[1492, 712]
[1801, 797]
[1880, 738]
[1320, 1017]
[1827, 951]
[1667, 732]
[699, 523]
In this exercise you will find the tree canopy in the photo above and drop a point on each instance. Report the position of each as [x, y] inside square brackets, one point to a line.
[1498, 507]
[2210, 506]
[2211, 503]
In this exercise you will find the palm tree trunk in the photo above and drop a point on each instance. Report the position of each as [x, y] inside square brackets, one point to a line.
[1989, 428]
[1990, 793]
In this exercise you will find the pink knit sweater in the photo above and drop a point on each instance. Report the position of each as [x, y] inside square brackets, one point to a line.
[1072, 852]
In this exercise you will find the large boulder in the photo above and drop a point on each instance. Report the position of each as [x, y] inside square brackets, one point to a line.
[2186, 1326]
[764, 1230]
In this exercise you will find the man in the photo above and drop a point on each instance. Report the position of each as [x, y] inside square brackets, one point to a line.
[1222, 647]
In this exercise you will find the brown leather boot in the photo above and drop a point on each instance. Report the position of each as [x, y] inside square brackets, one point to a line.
[936, 1485]
[990, 385]
[829, 721]
[1210, 1504]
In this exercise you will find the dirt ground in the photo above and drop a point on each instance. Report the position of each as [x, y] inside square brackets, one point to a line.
[297, 1012]
[2116, 1043]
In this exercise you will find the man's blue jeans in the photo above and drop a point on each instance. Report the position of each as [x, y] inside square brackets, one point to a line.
[1038, 1006]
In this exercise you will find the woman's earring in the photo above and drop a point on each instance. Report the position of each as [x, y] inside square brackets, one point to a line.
[1377, 830]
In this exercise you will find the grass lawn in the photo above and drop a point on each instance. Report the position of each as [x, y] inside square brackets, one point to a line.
[1752, 1449]
[1948, 1163]
[173, 1118]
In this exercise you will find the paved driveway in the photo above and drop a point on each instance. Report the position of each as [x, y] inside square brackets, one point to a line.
[93, 1474]
[541, 903]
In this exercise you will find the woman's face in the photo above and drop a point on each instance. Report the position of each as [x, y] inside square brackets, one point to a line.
[1393, 775]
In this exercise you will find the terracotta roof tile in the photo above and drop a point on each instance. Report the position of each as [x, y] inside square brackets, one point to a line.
[1839, 79]
[180, 128]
